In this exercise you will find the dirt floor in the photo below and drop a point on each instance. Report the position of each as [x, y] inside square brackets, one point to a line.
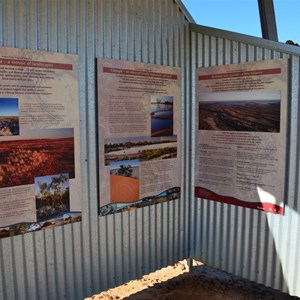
[176, 283]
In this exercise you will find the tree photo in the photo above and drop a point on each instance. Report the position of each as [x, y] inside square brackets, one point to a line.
[52, 194]
[125, 170]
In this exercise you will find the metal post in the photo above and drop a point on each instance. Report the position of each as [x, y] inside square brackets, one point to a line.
[267, 20]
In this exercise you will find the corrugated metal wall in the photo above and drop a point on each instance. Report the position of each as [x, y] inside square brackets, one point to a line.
[75, 261]
[261, 247]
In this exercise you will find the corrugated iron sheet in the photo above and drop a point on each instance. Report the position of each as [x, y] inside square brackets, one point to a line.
[74, 261]
[252, 244]
[77, 260]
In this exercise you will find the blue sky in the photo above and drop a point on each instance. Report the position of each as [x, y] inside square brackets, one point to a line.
[243, 16]
[9, 107]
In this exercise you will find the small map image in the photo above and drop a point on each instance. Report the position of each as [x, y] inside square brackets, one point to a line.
[256, 111]
[9, 117]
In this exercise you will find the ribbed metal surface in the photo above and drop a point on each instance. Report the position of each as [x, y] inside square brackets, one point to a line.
[252, 244]
[75, 261]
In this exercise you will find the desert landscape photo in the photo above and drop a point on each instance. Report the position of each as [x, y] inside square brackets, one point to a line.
[23, 160]
[240, 114]
[124, 181]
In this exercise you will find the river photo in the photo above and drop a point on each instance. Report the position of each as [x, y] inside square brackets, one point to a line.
[162, 115]
[255, 111]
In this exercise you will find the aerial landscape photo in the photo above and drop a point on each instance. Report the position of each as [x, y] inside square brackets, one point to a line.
[162, 112]
[238, 114]
[47, 152]
[141, 148]
[9, 117]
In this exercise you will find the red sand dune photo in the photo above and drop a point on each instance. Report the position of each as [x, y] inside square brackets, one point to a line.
[123, 189]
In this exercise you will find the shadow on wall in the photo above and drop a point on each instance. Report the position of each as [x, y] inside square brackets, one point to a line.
[282, 228]
[286, 248]
[250, 248]
[272, 271]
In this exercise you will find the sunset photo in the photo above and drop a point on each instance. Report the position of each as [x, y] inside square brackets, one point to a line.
[162, 112]
[9, 117]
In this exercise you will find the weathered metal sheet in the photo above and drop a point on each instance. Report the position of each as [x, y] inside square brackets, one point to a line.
[252, 244]
[74, 261]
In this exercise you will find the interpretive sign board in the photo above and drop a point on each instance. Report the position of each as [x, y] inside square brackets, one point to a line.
[139, 134]
[241, 134]
[39, 141]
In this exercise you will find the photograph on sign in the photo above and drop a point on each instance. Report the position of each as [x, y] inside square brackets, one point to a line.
[9, 116]
[39, 141]
[139, 134]
[241, 113]
[254, 111]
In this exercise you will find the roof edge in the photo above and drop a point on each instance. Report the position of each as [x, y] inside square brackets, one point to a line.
[244, 38]
[185, 11]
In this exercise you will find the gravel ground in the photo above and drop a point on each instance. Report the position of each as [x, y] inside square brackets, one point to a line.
[176, 283]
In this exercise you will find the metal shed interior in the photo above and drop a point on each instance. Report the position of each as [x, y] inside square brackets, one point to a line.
[77, 260]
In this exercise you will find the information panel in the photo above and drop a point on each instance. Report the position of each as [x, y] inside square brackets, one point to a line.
[241, 134]
[39, 141]
[139, 134]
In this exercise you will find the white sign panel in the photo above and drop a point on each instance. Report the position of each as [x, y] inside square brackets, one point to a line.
[241, 134]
